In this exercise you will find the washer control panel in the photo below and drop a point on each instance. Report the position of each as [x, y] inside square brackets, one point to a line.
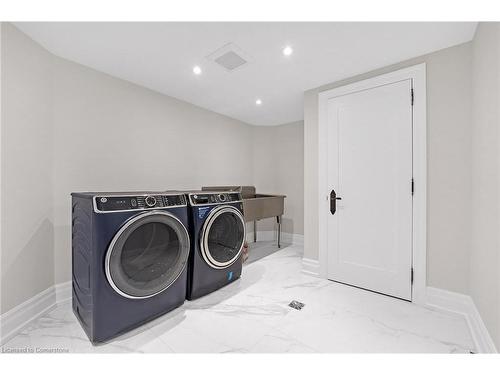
[199, 199]
[114, 203]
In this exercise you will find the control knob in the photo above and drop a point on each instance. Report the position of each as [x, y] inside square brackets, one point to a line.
[150, 201]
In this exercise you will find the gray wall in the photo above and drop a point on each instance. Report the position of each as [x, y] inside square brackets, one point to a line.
[278, 157]
[484, 252]
[27, 141]
[448, 170]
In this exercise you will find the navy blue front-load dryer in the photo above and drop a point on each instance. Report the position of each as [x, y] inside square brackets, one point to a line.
[217, 238]
[130, 254]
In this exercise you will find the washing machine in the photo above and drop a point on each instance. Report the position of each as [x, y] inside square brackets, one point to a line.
[129, 259]
[217, 238]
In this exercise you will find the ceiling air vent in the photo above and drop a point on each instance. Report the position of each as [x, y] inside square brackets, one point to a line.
[230, 57]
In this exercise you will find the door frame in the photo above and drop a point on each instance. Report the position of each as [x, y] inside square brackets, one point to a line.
[417, 74]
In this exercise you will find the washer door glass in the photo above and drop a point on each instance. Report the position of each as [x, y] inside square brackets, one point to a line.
[223, 237]
[147, 255]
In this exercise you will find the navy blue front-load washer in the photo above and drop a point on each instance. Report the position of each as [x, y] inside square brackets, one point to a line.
[130, 254]
[217, 238]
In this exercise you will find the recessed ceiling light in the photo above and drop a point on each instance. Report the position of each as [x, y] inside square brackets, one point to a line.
[197, 70]
[287, 51]
[258, 102]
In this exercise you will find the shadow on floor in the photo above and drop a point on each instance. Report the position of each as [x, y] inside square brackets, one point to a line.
[261, 249]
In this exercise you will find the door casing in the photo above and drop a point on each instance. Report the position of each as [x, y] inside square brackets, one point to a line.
[417, 74]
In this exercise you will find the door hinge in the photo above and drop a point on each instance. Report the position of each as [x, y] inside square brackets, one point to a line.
[411, 277]
[412, 93]
[412, 186]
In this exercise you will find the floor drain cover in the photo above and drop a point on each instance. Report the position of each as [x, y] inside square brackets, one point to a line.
[296, 305]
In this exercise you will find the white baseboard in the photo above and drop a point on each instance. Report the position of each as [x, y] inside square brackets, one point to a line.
[13, 321]
[464, 305]
[267, 235]
[310, 267]
[270, 235]
[479, 331]
[63, 292]
[298, 239]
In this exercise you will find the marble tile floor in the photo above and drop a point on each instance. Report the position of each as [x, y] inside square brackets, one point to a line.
[252, 315]
[261, 249]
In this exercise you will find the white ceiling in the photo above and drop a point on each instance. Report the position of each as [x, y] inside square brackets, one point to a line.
[161, 56]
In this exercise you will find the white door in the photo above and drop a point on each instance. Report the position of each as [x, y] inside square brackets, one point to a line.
[370, 172]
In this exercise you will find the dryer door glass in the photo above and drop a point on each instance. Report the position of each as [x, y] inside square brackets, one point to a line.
[224, 237]
[147, 255]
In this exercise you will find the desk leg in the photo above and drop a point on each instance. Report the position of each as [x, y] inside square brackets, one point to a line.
[255, 231]
[278, 220]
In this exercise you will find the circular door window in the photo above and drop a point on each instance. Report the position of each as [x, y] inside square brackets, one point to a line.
[223, 236]
[147, 255]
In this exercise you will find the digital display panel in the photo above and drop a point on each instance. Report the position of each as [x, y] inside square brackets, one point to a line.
[115, 203]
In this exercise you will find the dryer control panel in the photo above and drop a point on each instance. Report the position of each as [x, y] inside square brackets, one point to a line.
[114, 203]
[199, 199]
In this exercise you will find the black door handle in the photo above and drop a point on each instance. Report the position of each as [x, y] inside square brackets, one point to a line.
[333, 201]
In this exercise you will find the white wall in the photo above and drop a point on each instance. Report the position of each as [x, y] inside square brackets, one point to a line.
[278, 164]
[463, 120]
[26, 169]
[111, 135]
[71, 128]
[449, 164]
[1, 222]
[484, 254]
[65, 127]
